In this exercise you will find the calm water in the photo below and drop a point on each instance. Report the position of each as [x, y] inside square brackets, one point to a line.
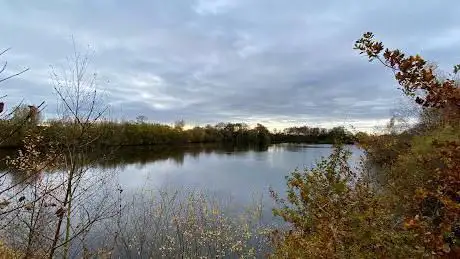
[240, 176]
[239, 173]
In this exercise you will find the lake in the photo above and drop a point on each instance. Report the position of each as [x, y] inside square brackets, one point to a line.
[171, 202]
[239, 173]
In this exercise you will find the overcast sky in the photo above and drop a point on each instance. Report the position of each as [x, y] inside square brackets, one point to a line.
[205, 61]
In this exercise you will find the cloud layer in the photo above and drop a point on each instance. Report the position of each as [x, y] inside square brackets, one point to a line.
[204, 61]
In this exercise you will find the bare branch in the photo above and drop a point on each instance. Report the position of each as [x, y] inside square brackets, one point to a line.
[13, 75]
[4, 51]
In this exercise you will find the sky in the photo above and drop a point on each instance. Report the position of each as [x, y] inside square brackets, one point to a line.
[280, 63]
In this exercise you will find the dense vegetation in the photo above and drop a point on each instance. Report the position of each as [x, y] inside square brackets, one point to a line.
[106, 133]
[404, 201]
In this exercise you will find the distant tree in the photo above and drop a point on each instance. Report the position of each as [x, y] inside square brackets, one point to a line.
[315, 132]
[141, 119]
[361, 136]
[179, 125]
[263, 134]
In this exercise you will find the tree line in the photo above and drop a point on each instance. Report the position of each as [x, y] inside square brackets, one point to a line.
[138, 133]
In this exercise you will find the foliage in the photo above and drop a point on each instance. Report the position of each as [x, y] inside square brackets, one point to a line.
[142, 133]
[426, 171]
[405, 200]
[335, 212]
[415, 76]
[307, 134]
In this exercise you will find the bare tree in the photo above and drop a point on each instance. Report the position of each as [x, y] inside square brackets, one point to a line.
[50, 198]
[81, 108]
[23, 189]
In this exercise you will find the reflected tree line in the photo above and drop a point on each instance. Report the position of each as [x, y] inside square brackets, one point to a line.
[118, 157]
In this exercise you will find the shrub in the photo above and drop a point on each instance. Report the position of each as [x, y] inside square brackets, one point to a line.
[336, 212]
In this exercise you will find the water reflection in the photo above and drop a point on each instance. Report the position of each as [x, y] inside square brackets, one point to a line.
[239, 171]
[120, 157]
[236, 171]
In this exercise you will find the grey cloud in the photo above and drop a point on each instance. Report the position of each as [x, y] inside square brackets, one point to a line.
[207, 61]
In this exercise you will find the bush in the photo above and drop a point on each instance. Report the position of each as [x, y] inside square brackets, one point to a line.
[335, 212]
[407, 204]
